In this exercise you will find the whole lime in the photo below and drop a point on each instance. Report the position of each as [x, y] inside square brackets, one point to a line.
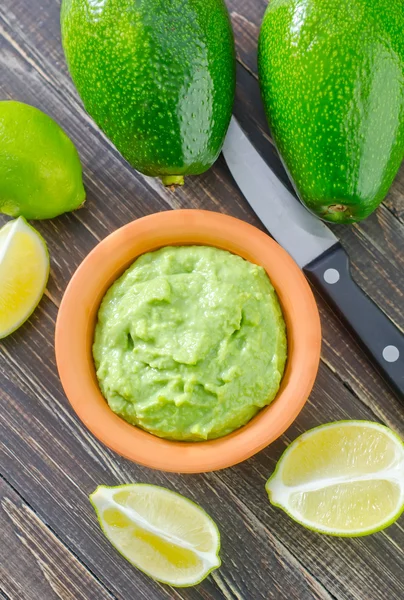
[40, 170]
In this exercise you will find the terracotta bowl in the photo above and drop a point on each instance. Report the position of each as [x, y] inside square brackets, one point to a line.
[77, 318]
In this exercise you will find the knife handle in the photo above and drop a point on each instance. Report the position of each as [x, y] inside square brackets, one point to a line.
[378, 336]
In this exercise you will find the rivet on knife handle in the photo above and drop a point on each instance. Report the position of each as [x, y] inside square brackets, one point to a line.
[377, 335]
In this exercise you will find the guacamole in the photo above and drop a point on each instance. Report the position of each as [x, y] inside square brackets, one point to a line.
[190, 343]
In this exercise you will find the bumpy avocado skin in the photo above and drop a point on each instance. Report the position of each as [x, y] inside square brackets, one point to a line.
[158, 77]
[332, 81]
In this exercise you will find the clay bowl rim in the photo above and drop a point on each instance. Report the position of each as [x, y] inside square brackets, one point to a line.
[107, 261]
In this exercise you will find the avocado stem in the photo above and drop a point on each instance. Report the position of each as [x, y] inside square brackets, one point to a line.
[172, 180]
[337, 208]
[338, 213]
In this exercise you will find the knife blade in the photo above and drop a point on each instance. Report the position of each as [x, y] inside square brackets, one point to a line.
[293, 227]
[319, 253]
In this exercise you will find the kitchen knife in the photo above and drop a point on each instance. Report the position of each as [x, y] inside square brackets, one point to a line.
[319, 253]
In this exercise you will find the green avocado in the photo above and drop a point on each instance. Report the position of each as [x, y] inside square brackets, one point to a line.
[158, 77]
[332, 81]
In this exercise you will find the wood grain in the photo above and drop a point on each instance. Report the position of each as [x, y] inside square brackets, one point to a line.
[34, 563]
[204, 191]
[71, 465]
[60, 463]
[54, 463]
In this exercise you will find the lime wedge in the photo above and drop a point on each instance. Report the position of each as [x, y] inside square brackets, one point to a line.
[24, 271]
[167, 536]
[344, 478]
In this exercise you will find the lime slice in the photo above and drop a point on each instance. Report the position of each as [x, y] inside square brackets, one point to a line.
[24, 271]
[344, 478]
[163, 534]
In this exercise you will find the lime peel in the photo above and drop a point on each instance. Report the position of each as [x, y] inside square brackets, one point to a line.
[40, 169]
[281, 493]
[104, 498]
[24, 272]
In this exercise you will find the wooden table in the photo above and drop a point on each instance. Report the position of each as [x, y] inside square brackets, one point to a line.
[52, 546]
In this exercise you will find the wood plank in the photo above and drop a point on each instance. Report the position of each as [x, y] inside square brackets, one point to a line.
[68, 464]
[112, 184]
[395, 197]
[54, 462]
[34, 564]
[59, 464]
[340, 564]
